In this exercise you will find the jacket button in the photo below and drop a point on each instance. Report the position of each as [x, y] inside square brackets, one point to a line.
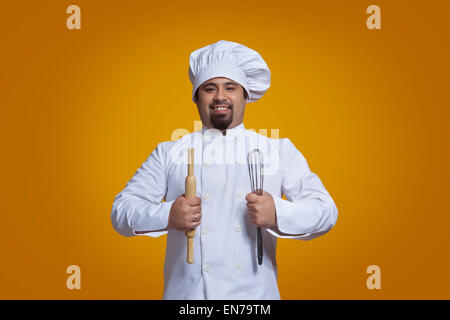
[207, 267]
[239, 194]
[205, 231]
[206, 196]
[237, 228]
[238, 265]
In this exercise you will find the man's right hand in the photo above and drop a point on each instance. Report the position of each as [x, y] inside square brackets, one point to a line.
[185, 213]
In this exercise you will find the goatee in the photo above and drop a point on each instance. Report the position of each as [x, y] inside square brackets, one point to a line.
[221, 121]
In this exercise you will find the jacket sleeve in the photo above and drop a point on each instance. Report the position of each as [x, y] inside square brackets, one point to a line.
[138, 206]
[309, 210]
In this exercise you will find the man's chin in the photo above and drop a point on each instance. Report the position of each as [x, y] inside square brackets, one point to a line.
[221, 123]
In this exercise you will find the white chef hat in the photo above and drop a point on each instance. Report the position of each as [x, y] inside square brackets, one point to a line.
[233, 61]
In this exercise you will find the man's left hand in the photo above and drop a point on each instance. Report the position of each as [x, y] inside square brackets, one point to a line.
[261, 209]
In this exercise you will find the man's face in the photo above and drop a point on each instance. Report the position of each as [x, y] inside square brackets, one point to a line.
[221, 103]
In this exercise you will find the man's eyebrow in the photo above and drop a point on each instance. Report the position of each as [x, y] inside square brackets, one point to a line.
[214, 84]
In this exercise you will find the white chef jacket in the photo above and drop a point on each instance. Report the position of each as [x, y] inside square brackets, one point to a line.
[225, 251]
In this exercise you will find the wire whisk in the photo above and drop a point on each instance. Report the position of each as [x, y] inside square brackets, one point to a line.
[255, 163]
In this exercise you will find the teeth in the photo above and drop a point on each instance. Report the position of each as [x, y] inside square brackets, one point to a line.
[221, 108]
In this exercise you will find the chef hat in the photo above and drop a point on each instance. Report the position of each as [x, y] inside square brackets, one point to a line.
[233, 61]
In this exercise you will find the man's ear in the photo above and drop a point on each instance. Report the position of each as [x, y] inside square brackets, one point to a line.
[196, 96]
[245, 93]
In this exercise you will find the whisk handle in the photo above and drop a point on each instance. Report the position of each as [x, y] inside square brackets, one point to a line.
[260, 246]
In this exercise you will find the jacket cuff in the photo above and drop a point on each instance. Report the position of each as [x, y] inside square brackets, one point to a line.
[159, 221]
[285, 225]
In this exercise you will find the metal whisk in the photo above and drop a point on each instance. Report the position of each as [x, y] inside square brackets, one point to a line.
[255, 169]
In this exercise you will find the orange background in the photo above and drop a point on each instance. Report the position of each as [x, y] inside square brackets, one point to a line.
[82, 109]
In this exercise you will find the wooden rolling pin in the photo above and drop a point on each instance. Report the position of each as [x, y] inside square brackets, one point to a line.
[190, 191]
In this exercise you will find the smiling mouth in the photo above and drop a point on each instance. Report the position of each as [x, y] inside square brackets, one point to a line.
[220, 108]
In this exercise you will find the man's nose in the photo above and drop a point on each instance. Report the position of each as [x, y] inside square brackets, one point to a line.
[220, 95]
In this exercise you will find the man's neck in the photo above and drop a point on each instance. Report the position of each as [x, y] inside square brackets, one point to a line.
[224, 132]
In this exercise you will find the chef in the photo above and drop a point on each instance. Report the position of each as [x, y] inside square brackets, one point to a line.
[225, 213]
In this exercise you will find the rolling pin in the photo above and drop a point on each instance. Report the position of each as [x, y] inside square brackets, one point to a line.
[190, 191]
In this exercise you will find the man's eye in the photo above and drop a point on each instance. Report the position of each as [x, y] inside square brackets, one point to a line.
[231, 88]
[209, 89]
